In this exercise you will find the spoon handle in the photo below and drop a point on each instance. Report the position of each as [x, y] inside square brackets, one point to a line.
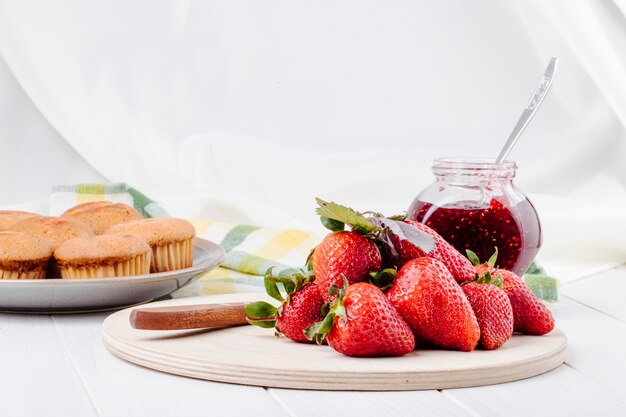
[531, 108]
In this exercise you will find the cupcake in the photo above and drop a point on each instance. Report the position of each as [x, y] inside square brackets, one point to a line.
[101, 215]
[86, 206]
[171, 240]
[23, 256]
[103, 257]
[55, 229]
[9, 217]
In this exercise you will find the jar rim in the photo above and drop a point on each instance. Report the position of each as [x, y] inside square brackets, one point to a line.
[462, 163]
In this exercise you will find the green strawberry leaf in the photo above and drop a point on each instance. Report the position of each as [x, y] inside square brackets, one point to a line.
[318, 331]
[333, 290]
[340, 292]
[472, 257]
[383, 279]
[327, 323]
[476, 261]
[260, 310]
[276, 285]
[325, 308]
[498, 281]
[488, 278]
[266, 324]
[332, 225]
[309, 260]
[345, 215]
[311, 331]
[271, 286]
[492, 260]
[340, 311]
[288, 283]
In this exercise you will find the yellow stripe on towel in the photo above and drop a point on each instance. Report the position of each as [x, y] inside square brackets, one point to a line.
[283, 243]
[86, 193]
[201, 226]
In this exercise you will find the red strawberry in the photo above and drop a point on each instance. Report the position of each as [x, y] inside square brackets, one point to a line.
[348, 254]
[493, 311]
[530, 315]
[460, 267]
[434, 305]
[301, 307]
[362, 322]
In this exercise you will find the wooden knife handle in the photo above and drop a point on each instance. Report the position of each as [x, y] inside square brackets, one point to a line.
[197, 316]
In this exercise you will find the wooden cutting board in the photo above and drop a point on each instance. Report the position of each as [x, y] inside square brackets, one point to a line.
[253, 356]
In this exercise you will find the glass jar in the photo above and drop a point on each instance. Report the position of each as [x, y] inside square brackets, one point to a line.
[473, 204]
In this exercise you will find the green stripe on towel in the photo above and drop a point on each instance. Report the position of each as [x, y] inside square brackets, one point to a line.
[236, 236]
[252, 264]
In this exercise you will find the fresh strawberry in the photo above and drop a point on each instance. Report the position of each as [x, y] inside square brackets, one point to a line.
[344, 254]
[492, 309]
[460, 267]
[357, 254]
[303, 309]
[434, 305]
[362, 322]
[302, 306]
[530, 315]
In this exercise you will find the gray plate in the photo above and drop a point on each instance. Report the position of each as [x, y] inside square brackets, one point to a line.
[98, 294]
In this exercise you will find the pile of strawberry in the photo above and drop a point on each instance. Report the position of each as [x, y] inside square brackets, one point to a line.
[389, 285]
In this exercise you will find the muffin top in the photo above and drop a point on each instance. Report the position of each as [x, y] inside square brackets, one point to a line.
[20, 251]
[99, 250]
[79, 208]
[156, 232]
[101, 215]
[9, 217]
[56, 229]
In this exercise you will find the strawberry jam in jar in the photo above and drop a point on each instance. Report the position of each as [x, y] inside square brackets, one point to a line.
[473, 204]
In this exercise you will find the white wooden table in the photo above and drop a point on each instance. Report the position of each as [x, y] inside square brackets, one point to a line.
[57, 366]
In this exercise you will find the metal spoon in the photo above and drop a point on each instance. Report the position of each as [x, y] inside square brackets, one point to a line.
[531, 108]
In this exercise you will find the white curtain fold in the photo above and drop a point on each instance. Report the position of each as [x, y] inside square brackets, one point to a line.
[279, 101]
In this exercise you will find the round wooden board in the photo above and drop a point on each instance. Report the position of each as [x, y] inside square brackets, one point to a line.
[253, 356]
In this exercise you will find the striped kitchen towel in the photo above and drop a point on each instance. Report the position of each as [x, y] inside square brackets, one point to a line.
[66, 196]
[250, 250]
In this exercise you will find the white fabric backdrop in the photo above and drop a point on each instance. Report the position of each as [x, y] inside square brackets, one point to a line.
[279, 101]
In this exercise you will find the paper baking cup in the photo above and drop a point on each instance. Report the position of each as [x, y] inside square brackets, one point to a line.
[173, 256]
[39, 273]
[139, 265]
